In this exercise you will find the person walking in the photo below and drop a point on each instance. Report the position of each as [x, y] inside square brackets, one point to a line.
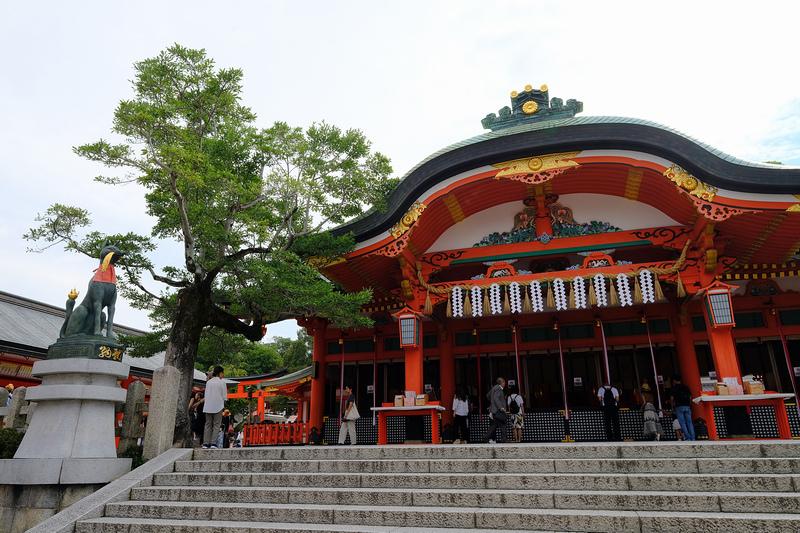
[349, 417]
[216, 395]
[516, 408]
[497, 408]
[609, 398]
[461, 415]
[227, 428]
[198, 417]
[682, 400]
[652, 427]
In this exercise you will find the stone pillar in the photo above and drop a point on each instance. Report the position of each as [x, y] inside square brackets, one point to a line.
[161, 412]
[132, 416]
[75, 413]
[3, 401]
[14, 419]
[70, 438]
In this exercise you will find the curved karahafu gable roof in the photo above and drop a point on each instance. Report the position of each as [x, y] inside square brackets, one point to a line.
[709, 165]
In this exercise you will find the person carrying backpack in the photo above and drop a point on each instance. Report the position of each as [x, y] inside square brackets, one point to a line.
[609, 399]
[517, 411]
[682, 400]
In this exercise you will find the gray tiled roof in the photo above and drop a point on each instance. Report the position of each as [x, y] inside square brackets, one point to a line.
[579, 121]
[33, 326]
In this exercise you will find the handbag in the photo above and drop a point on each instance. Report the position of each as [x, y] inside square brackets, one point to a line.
[501, 416]
[353, 414]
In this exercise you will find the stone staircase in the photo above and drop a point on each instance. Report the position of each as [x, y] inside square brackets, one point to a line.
[642, 487]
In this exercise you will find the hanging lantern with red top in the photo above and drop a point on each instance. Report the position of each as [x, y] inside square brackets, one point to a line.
[719, 308]
[409, 322]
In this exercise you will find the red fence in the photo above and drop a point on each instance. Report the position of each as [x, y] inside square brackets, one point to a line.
[271, 434]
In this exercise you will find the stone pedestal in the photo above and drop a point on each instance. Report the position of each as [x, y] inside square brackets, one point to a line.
[70, 438]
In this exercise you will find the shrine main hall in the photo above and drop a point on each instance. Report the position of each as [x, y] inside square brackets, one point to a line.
[558, 252]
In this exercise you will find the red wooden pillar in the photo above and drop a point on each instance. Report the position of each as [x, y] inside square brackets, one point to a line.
[723, 349]
[262, 404]
[687, 357]
[414, 368]
[447, 371]
[690, 372]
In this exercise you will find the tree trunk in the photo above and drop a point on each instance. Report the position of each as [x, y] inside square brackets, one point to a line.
[190, 316]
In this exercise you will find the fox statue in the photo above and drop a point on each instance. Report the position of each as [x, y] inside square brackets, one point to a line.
[88, 318]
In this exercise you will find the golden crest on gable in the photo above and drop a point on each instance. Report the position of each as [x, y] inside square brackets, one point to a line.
[408, 219]
[537, 169]
[690, 184]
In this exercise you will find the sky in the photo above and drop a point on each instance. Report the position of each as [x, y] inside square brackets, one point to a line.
[414, 76]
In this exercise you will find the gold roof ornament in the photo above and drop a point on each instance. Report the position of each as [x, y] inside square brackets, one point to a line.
[531, 105]
[690, 184]
[408, 220]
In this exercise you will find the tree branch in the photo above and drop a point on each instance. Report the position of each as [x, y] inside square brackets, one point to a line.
[228, 322]
[171, 282]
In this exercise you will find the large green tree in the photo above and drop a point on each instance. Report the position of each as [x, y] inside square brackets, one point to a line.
[247, 206]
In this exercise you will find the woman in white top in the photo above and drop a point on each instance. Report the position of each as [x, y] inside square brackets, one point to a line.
[517, 410]
[461, 415]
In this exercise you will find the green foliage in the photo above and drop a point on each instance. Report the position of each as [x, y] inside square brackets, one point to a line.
[236, 355]
[134, 453]
[10, 440]
[248, 208]
[296, 354]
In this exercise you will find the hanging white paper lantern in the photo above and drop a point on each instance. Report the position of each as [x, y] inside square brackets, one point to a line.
[600, 290]
[579, 290]
[537, 302]
[477, 305]
[624, 290]
[560, 293]
[648, 288]
[515, 300]
[457, 302]
[494, 299]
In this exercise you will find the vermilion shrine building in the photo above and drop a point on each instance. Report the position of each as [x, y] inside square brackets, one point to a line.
[559, 251]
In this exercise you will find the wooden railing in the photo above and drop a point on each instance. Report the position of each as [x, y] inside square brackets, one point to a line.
[272, 434]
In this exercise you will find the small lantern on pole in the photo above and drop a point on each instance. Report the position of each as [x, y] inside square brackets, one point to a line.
[717, 299]
[409, 322]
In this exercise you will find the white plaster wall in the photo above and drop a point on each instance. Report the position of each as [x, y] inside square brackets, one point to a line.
[619, 212]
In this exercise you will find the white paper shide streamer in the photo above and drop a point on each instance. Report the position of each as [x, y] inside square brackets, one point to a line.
[579, 290]
[494, 299]
[537, 302]
[458, 302]
[624, 290]
[560, 294]
[477, 305]
[515, 301]
[600, 290]
[648, 287]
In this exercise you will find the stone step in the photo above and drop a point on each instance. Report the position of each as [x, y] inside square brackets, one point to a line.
[611, 465]
[566, 450]
[147, 525]
[499, 481]
[506, 519]
[709, 502]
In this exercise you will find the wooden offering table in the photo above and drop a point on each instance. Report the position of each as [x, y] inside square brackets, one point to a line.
[707, 403]
[425, 410]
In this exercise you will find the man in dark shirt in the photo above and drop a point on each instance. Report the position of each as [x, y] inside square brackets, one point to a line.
[682, 400]
[609, 399]
[497, 406]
